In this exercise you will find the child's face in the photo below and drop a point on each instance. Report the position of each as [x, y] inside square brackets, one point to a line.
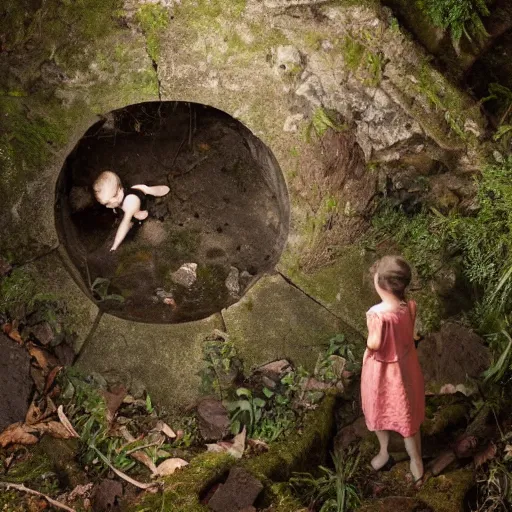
[111, 196]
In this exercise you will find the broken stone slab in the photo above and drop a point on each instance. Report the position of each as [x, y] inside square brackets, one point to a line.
[274, 320]
[186, 275]
[240, 491]
[164, 359]
[232, 282]
[15, 382]
[213, 419]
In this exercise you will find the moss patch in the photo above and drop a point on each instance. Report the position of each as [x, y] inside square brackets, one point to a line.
[153, 18]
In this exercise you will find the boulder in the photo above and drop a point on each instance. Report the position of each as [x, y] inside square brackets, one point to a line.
[454, 355]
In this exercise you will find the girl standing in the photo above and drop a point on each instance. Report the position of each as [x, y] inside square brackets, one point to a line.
[392, 386]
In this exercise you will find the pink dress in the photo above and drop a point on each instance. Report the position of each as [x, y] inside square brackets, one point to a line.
[392, 386]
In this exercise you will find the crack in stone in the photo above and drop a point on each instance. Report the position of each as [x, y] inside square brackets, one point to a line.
[88, 337]
[39, 256]
[316, 301]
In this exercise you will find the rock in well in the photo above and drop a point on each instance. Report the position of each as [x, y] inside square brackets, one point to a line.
[186, 275]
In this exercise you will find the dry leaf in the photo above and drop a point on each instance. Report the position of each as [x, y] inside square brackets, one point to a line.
[485, 455]
[169, 466]
[113, 400]
[508, 452]
[235, 448]
[54, 428]
[12, 331]
[44, 359]
[79, 491]
[164, 428]
[33, 415]
[18, 433]
[51, 378]
[67, 424]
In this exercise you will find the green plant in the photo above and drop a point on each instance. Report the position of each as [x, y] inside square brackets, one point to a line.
[334, 489]
[99, 290]
[221, 364]
[325, 365]
[460, 17]
[502, 364]
[245, 411]
[321, 121]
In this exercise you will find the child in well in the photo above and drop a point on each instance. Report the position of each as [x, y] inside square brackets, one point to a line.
[109, 192]
[392, 386]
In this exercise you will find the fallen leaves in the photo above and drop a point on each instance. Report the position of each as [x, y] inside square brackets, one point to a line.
[165, 429]
[235, 448]
[13, 333]
[18, 433]
[169, 466]
[43, 358]
[65, 422]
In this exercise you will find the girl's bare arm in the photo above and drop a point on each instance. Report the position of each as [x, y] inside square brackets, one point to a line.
[374, 324]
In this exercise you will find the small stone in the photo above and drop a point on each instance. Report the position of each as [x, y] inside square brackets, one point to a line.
[287, 58]
[274, 370]
[213, 419]
[245, 278]
[239, 492]
[186, 275]
[43, 333]
[232, 282]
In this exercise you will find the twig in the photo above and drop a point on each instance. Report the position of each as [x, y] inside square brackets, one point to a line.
[120, 474]
[21, 487]
[192, 167]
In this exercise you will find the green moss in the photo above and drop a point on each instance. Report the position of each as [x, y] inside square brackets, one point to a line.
[31, 470]
[27, 139]
[445, 417]
[446, 492]
[299, 451]
[181, 490]
[153, 19]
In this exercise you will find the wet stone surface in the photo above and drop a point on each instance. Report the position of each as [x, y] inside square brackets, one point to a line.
[222, 212]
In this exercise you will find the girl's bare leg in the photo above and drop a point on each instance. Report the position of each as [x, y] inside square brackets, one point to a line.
[413, 447]
[383, 456]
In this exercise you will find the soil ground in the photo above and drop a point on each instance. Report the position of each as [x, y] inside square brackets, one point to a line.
[219, 214]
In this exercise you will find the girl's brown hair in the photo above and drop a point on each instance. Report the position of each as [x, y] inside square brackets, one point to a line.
[394, 275]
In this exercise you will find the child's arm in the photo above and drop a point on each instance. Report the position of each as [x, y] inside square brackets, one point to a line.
[122, 231]
[157, 191]
[131, 205]
[374, 323]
